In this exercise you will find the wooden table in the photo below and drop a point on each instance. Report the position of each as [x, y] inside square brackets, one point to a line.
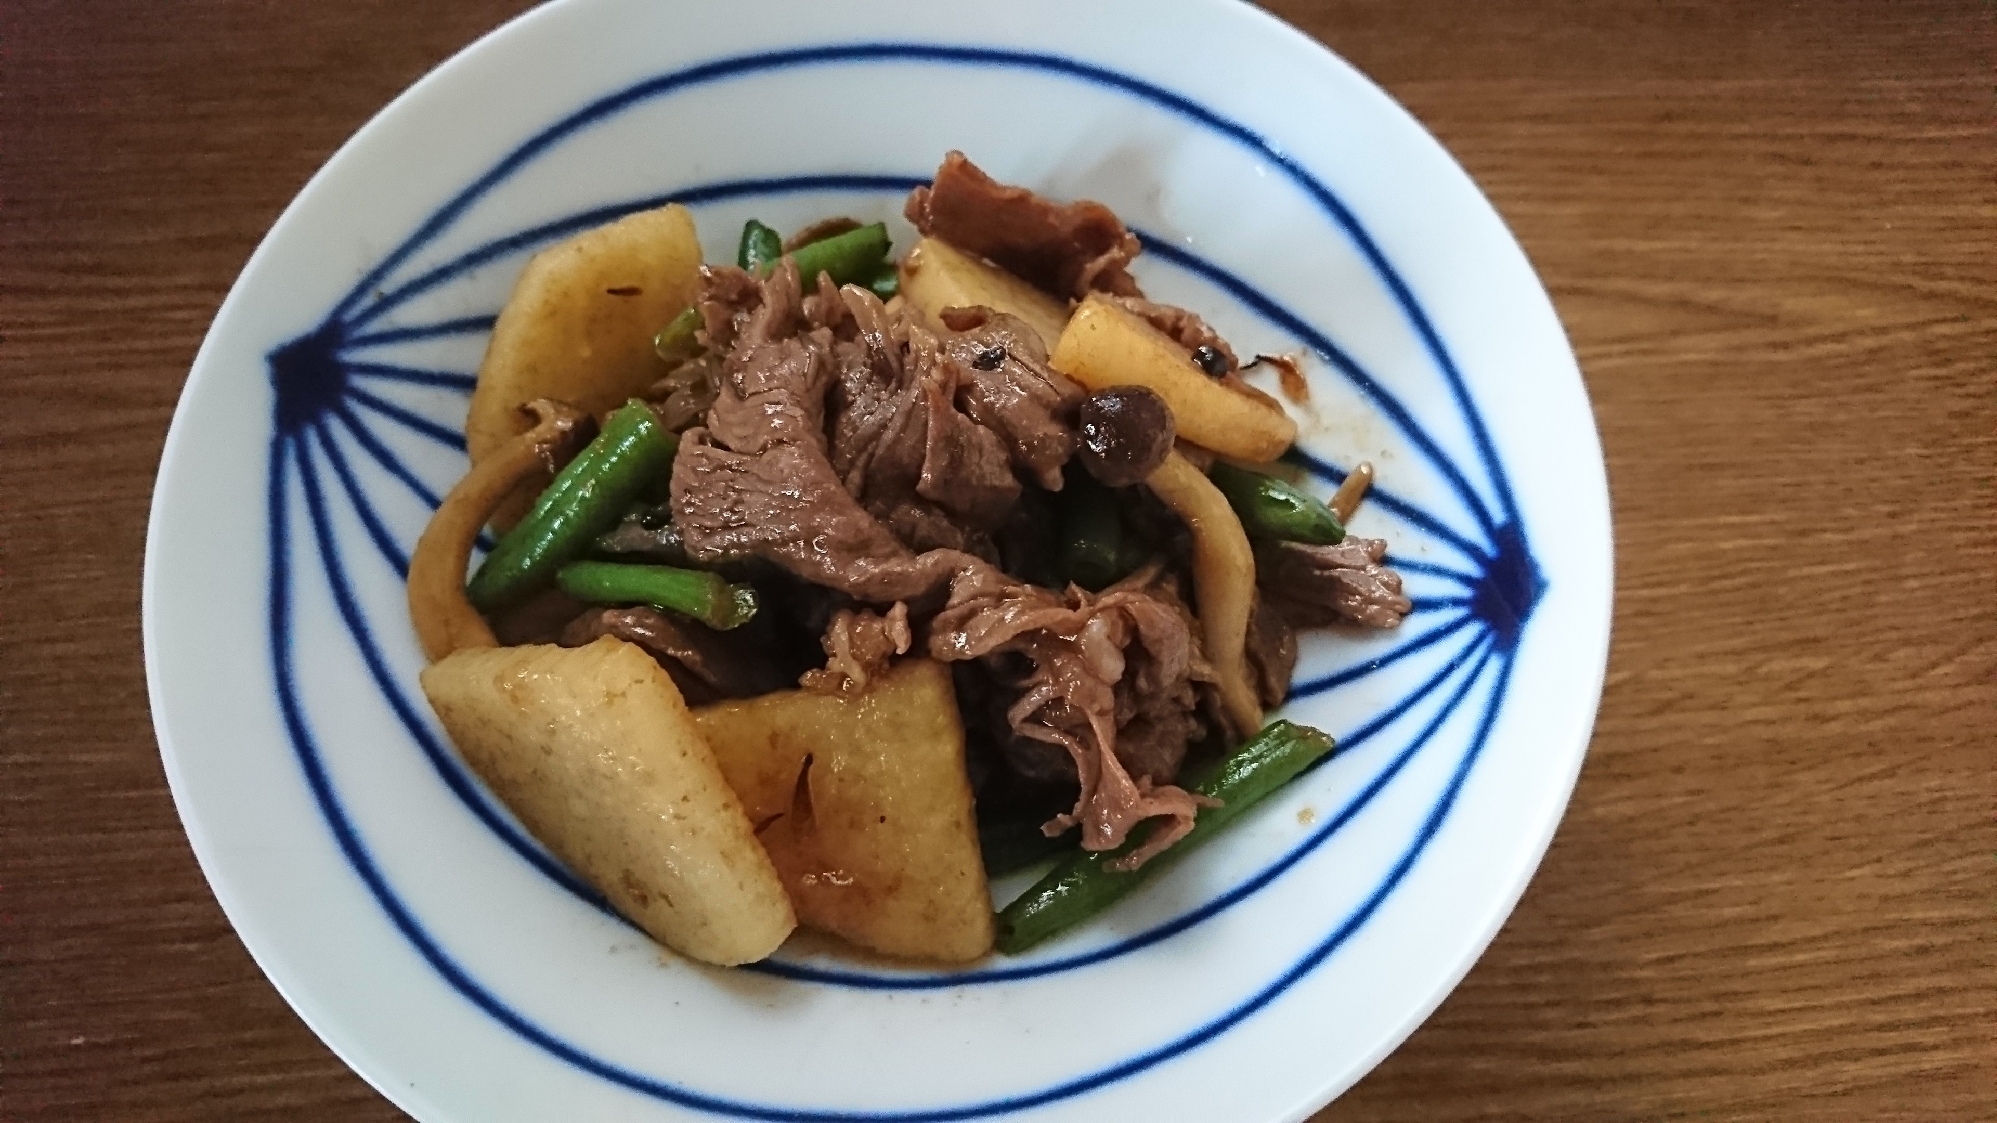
[1772, 232]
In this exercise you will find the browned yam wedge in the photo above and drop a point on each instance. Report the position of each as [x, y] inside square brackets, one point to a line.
[1105, 345]
[594, 750]
[876, 839]
[578, 329]
[936, 275]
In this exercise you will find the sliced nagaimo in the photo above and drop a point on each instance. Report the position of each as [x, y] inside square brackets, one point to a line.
[594, 750]
[936, 275]
[864, 807]
[579, 326]
[1106, 345]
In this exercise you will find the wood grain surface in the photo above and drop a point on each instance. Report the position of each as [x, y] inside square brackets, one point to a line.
[1771, 230]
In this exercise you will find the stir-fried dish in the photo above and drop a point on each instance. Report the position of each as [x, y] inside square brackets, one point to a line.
[831, 583]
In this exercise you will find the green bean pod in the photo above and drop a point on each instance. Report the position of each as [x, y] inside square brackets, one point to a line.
[886, 281]
[1273, 508]
[760, 248]
[853, 258]
[676, 342]
[694, 593]
[623, 464]
[1093, 551]
[1083, 884]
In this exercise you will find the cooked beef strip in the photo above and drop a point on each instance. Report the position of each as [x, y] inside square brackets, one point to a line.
[757, 481]
[705, 664]
[538, 619]
[1094, 666]
[913, 459]
[645, 536]
[1272, 653]
[1068, 250]
[858, 645]
[785, 505]
[726, 295]
[1317, 585]
[1019, 396]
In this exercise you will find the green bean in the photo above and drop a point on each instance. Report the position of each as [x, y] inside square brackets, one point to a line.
[1093, 552]
[623, 464]
[676, 342]
[853, 258]
[760, 248]
[886, 282]
[1271, 508]
[695, 593]
[1084, 883]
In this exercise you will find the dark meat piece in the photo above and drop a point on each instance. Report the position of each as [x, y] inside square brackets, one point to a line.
[646, 536]
[538, 619]
[1005, 384]
[727, 294]
[683, 395]
[756, 481]
[1127, 432]
[923, 443]
[1069, 250]
[1317, 585]
[858, 646]
[904, 450]
[1272, 653]
[1087, 670]
[787, 506]
[705, 664]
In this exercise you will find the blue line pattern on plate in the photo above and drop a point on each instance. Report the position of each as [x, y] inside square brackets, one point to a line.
[315, 379]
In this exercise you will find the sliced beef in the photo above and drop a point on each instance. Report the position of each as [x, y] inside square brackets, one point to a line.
[1272, 653]
[1067, 250]
[858, 646]
[935, 476]
[785, 505]
[727, 295]
[538, 619]
[705, 664]
[1005, 385]
[1085, 670]
[1317, 585]
[757, 479]
[646, 536]
[683, 396]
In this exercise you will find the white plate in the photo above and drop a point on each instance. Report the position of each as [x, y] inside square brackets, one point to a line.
[441, 953]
